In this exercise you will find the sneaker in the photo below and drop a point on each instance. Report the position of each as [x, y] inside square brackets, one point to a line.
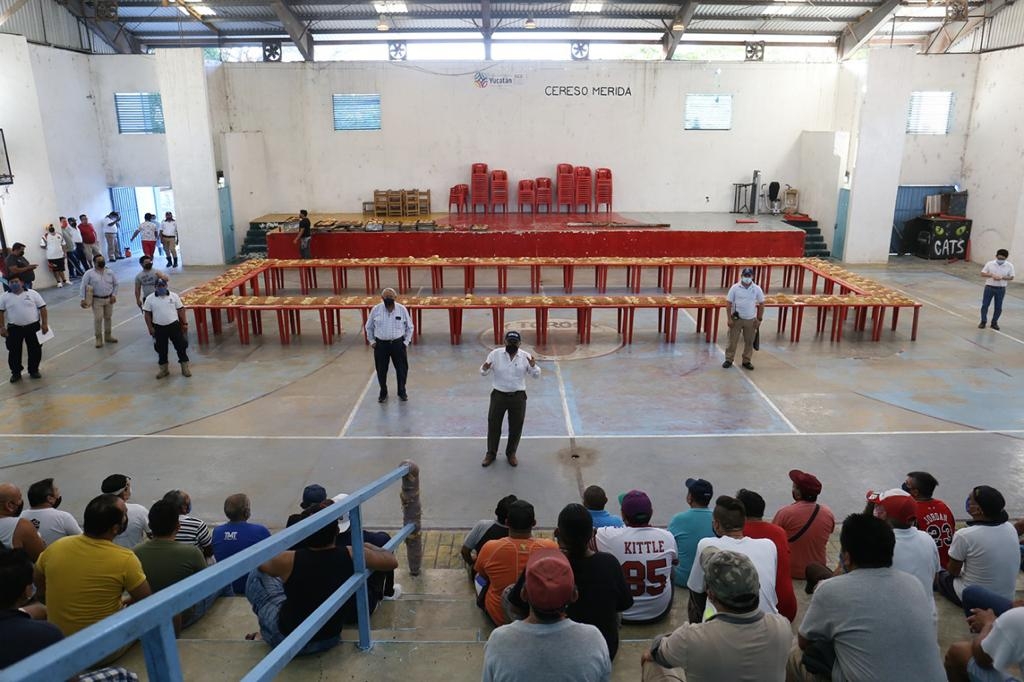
[397, 594]
[727, 364]
[60, 285]
[995, 326]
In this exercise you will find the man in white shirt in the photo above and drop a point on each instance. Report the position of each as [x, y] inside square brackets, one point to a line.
[998, 648]
[746, 310]
[165, 318]
[51, 523]
[510, 366]
[997, 274]
[169, 239]
[915, 552]
[647, 556]
[22, 314]
[53, 243]
[727, 521]
[109, 227]
[137, 529]
[389, 330]
[148, 230]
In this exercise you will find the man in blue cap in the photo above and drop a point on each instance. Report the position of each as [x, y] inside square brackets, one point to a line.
[509, 366]
[746, 310]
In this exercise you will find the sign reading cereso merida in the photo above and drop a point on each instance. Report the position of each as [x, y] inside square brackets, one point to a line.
[587, 91]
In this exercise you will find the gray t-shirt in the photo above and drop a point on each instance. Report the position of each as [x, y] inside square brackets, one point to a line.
[565, 651]
[881, 624]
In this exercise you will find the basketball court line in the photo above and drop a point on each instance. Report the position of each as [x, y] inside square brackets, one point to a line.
[355, 408]
[565, 402]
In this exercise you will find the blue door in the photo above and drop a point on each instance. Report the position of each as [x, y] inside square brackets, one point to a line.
[227, 223]
[842, 215]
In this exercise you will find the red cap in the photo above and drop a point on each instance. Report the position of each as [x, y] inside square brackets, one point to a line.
[897, 505]
[549, 580]
[806, 482]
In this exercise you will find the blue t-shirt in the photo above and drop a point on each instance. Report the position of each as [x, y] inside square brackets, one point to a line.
[603, 519]
[232, 538]
[689, 528]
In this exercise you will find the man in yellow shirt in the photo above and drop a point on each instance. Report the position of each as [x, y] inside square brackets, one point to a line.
[83, 577]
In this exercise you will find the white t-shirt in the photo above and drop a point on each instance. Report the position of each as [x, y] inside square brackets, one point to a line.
[1005, 641]
[54, 245]
[76, 234]
[138, 526]
[164, 308]
[745, 300]
[994, 268]
[109, 226]
[7, 526]
[761, 552]
[52, 524]
[917, 554]
[646, 555]
[169, 228]
[991, 558]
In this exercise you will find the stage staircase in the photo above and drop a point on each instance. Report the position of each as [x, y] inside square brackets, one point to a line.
[814, 242]
[255, 245]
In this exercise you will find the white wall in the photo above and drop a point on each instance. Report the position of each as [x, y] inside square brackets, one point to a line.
[245, 164]
[30, 203]
[436, 123]
[70, 126]
[822, 166]
[128, 160]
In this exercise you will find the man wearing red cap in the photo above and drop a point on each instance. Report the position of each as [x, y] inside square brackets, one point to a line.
[547, 645]
[807, 523]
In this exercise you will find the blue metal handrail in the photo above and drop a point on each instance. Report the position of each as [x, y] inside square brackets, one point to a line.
[151, 620]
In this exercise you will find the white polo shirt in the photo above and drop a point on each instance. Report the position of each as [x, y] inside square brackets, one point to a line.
[164, 308]
[22, 309]
[994, 268]
[745, 300]
[509, 372]
[169, 228]
[52, 524]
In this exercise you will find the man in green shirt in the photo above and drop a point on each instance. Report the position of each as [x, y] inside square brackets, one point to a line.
[166, 561]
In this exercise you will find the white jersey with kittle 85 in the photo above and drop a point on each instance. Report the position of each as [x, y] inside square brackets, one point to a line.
[646, 555]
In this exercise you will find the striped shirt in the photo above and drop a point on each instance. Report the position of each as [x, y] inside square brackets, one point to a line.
[193, 531]
[385, 325]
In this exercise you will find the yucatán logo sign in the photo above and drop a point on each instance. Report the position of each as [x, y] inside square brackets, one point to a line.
[482, 79]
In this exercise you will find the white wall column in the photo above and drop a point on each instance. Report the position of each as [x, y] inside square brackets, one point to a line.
[822, 165]
[245, 156]
[182, 80]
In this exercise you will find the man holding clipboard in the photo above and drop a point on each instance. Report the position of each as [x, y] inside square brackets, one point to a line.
[22, 315]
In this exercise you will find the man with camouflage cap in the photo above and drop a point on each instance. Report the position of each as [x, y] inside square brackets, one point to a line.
[739, 642]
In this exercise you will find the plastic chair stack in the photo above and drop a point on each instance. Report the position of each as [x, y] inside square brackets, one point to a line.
[458, 195]
[584, 188]
[480, 191]
[527, 195]
[566, 192]
[603, 188]
[545, 195]
[499, 190]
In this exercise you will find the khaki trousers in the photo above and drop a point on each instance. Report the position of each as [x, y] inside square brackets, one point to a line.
[102, 311]
[655, 673]
[112, 246]
[746, 327]
[170, 248]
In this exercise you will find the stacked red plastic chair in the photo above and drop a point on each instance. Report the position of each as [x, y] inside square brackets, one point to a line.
[584, 186]
[499, 190]
[566, 193]
[459, 196]
[545, 195]
[480, 191]
[603, 189]
[527, 195]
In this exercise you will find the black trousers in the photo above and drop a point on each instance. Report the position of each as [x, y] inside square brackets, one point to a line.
[18, 334]
[162, 333]
[385, 352]
[515, 405]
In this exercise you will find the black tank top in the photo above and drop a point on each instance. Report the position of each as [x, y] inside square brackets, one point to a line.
[495, 532]
[315, 576]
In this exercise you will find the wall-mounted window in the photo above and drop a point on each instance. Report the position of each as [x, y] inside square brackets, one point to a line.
[357, 112]
[708, 112]
[930, 112]
[139, 113]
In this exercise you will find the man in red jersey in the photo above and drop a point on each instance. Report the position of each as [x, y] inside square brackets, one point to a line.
[933, 516]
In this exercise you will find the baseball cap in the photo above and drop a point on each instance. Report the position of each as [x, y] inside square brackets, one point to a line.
[636, 506]
[748, 272]
[731, 576]
[513, 336]
[805, 481]
[991, 501]
[343, 522]
[313, 494]
[700, 489]
[898, 505]
[549, 580]
[115, 484]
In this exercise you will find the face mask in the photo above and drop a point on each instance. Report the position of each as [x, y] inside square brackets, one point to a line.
[1000, 260]
[389, 301]
[15, 288]
[905, 488]
[147, 266]
[52, 230]
[56, 503]
[511, 348]
[99, 264]
[746, 280]
[20, 508]
[967, 505]
[161, 291]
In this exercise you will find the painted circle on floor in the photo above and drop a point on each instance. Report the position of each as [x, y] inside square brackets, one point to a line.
[563, 343]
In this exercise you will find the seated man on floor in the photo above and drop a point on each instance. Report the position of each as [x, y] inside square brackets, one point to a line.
[933, 516]
[287, 589]
[740, 643]
[595, 499]
[871, 624]
[191, 529]
[16, 532]
[915, 552]
[547, 645]
[53, 524]
[986, 553]
[647, 556]
[691, 526]
[759, 529]
[237, 534]
[808, 524]
[994, 653]
[486, 530]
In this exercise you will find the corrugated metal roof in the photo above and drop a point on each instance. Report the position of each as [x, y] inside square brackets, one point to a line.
[1006, 28]
[44, 21]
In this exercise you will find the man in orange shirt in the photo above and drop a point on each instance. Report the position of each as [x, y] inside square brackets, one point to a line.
[501, 561]
[756, 527]
[808, 525]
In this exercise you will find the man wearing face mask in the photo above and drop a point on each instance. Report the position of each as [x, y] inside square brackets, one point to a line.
[510, 366]
[145, 281]
[99, 291]
[148, 229]
[52, 523]
[997, 274]
[389, 330]
[165, 317]
[53, 243]
[18, 265]
[22, 314]
[16, 532]
[746, 310]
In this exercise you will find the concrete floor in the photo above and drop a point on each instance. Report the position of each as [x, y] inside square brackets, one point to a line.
[268, 419]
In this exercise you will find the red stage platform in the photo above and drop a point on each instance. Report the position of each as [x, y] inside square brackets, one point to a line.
[564, 235]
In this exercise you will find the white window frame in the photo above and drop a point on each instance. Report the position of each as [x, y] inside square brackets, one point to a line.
[930, 112]
[361, 116]
[139, 113]
[716, 109]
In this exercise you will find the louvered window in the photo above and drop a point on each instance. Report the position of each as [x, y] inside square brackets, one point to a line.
[139, 113]
[708, 112]
[357, 112]
[930, 112]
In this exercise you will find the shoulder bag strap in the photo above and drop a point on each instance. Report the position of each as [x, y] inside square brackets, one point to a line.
[807, 525]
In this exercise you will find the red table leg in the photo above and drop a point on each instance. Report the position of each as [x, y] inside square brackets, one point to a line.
[468, 278]
[913, 330]
[700, 318]
[630, 317]
[714, 328]
[202, 331]
[243, 328]
[534, 279]
[895, 316]
[325, 329]
[704, 278]
[670, 275]
[218, 326]
[675, 325]
[498, 323]
[502, 279]
[568, 275]
[798, 323]
[637, 274]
